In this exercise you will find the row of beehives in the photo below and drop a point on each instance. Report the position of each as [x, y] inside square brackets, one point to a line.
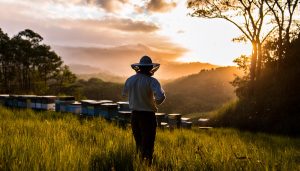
[90, 108]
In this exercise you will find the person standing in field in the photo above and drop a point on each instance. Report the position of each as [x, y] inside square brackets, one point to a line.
[144, 94]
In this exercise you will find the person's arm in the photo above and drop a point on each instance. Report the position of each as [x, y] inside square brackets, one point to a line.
[158, 92]
[125, 90]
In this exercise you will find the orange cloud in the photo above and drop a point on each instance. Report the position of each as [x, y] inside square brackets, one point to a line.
[108, 5]
[123, 24]
[160, 6]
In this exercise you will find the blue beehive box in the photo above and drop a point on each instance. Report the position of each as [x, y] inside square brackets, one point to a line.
[86, 107]
[75, 108]
[48, 102]
[4, 99]
[13, 100]
[123, 106]
[91, 107]
[100, 110]
[62, 103]
[24, 101]
[109, 110]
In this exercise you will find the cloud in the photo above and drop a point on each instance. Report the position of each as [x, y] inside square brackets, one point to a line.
[110, 43]
[109, 5]
[123, 24]
[160, 6]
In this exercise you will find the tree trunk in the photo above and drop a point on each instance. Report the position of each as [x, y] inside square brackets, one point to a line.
[253, 61]
[259, 59]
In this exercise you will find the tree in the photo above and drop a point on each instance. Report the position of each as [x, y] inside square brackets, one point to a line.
[247, 15]
[29, 66]
[64, 79]
[283, 13]
[4, 39]
[47, 63]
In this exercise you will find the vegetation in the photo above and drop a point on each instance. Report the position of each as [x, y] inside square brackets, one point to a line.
[28, 66]
[268, 92]
[97, 89]
[274, 105]
[256, 20]
[202, 92]
[53, 141]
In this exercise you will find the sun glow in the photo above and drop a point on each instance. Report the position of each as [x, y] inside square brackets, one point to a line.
[78, 24]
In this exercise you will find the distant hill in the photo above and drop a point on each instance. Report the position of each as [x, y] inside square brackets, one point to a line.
[86, 72]
[174, 70]
[167, 72]
[200, 92]
[103, 76]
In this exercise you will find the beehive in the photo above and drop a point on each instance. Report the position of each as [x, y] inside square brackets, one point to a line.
[109, 110]
[62, 102]
[90, 107]
[75, 108]
[174, 120]
[160, 117]
[4, 99]
[186, 123]
[123, 106]
[48, 102]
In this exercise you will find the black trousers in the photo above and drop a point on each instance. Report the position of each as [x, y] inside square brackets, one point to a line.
[143, 125]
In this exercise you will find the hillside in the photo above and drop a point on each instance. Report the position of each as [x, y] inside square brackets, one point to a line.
[168, 71]
[53, 141]
[175, 70]
[201, 92]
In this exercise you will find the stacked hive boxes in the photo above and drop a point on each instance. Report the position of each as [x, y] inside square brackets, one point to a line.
[124, 113]
[109, 110]
[186, 123]
[93, 107]
[174, 120]
[161, 119]
[48, 102]
[3, 99]
[75, 108]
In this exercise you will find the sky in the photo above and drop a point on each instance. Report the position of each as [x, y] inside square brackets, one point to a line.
[115, 33]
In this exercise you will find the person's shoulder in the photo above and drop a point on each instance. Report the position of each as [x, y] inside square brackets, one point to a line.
[131, 77]
[154, 80]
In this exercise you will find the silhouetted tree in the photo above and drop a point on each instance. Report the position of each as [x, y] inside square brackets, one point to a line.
[248, 16]
[28, 66]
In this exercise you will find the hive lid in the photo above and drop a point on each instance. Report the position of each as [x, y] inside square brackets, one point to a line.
[185, 119]
[109, 104]
[76, 103]
[174, 114]
[105, 101]
[127, 103]
[125, 112]
[4, 95]
[160, 114]
[203, 119]
[48, 97]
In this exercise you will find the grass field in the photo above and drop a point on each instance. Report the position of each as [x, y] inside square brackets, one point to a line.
[52, 141]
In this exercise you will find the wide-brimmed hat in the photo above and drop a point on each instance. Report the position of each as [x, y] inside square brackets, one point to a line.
[145, 61]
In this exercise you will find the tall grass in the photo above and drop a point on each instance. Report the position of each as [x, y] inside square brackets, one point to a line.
[52, 141]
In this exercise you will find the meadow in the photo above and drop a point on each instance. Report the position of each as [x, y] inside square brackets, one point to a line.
[31, 140]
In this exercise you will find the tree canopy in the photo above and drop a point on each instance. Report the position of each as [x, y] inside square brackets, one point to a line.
[29, 66]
